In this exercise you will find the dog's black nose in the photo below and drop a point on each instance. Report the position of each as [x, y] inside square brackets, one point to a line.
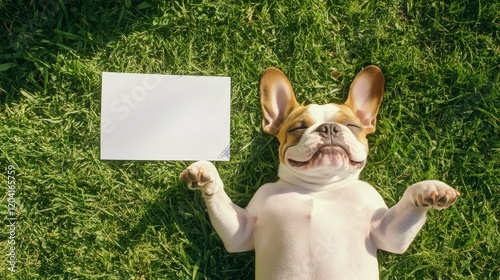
[329, 128]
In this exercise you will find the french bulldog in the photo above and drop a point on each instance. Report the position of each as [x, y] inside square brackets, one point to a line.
[318, 221]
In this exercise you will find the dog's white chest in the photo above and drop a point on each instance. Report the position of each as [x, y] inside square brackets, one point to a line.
[318, 234]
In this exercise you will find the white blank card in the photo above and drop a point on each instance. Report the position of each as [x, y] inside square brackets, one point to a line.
[165, 117]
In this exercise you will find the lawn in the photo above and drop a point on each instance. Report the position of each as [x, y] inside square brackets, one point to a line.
[79, 217]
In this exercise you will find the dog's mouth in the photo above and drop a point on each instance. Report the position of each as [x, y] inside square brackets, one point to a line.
[328, 155]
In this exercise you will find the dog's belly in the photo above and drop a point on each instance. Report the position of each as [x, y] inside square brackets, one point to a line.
[314, 236]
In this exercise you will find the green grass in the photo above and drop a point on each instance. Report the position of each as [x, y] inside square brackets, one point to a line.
[83, 218]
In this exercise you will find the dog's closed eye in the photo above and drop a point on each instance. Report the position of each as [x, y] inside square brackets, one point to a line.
[298, 130]
[354, 127]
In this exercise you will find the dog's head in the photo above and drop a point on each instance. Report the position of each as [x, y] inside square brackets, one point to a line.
[321, 144]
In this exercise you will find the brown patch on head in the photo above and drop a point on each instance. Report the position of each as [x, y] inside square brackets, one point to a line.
[347, 117]
[296, 119]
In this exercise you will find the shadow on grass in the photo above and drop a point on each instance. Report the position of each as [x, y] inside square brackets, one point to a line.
[35, 32]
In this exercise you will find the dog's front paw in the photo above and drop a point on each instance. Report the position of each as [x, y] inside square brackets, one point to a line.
[201, 175]
[432, 194]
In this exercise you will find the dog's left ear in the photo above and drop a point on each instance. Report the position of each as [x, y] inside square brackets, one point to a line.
[277, 99]
[365, 96]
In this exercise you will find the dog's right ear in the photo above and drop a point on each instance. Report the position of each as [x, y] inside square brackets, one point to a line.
[277, 99]
[365, 96]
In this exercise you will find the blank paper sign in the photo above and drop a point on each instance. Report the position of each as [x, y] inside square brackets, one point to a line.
[165, 117]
